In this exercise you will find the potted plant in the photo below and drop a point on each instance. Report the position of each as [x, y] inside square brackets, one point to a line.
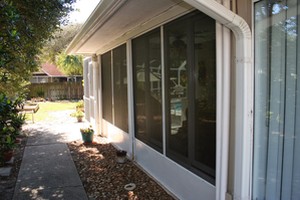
[80, 106]
[121, 156]
[79, 115]
[7, 145]
[87, 134]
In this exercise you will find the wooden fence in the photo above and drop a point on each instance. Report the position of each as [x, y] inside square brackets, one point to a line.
[56, 91]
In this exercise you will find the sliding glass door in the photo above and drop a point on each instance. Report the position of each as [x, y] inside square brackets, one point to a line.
[276, 165]
[190, 59]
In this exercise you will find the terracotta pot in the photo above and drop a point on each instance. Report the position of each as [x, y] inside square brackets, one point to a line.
[79, 119]
[7, 155]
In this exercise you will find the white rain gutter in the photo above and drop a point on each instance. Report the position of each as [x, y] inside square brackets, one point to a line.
[243, 102]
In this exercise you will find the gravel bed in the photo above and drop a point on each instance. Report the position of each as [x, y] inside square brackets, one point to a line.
[104, 178]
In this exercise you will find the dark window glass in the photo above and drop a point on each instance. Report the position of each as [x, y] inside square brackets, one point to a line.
[106, 87]
[205, 95]
[147, 89]
[120, 88]
[191, 93]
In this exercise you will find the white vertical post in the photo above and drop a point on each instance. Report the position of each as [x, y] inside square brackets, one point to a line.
[95, 102]
[130, 97]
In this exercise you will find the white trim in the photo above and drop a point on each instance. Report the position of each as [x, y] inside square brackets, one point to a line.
[163, 92]
[175, 178]
[100, 96]
[103, 11]
[95, 83]
[130, 97]
[165, 17]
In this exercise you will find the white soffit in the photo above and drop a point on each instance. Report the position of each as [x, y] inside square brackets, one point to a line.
[112, 19]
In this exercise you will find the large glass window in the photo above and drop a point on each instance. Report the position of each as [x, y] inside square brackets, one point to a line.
[191, 93]
[106, 87]
[120, 88]
[147, 88]
[276, 165]
[114, 87]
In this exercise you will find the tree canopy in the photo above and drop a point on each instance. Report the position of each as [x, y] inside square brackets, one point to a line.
[25, 26]
[70, 64]
[58, 43]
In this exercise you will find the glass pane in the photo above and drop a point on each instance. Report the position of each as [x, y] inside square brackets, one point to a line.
[106, 87]
[276, 173]
[120, 88]
[191, 89]
[205, 95]
[176, 38]
[147, 88]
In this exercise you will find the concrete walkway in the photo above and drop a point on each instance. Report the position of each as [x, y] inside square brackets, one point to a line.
[47, 170]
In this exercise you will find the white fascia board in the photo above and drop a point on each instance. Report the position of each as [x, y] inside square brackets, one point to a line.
[104, 10]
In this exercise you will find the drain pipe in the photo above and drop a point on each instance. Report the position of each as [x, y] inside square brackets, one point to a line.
[243, 99]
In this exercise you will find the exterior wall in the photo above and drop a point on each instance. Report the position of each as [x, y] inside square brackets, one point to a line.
[158, 165]
[190, 186]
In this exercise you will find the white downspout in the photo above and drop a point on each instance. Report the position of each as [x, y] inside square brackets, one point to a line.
[243, 97]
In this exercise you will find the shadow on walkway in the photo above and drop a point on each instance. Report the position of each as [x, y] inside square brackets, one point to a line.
[47, 170]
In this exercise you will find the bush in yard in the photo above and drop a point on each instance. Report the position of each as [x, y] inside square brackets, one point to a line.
[10, 123]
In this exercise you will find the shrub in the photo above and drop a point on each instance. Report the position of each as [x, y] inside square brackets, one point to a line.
[10, 123]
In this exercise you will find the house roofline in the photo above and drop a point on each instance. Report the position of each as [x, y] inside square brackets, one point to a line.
[103, 11]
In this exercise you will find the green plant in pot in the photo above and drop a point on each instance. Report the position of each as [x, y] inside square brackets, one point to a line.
[80, 106]
[10, 124]
[79, 115]
[7, 144]
[87, 134]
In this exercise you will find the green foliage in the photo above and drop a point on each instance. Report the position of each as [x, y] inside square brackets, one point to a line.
[10, 123]
[25, 27]
[58, 43]
[80, 105]
[40, 93]
[87, 130]
[70, 64]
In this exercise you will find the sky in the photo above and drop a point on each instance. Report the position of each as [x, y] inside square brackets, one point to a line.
[85, 8]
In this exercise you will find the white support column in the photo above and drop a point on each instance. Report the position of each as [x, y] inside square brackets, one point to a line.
[96, 85]
[86, 96]
[130, 97]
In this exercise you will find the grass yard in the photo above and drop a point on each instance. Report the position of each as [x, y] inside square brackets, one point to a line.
[46, 107]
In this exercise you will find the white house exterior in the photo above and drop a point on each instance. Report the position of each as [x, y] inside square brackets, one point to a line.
[203, 94]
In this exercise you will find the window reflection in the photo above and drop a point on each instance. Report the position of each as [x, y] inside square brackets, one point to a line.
[191, 76]
[147, 88]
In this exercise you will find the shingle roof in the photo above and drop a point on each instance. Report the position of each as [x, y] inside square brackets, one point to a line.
[51, 70]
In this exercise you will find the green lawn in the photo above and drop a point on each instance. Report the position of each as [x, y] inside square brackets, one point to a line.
[46, 107]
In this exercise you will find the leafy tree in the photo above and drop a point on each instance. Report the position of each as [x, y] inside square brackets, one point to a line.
[58, 43]
[70, 64]
[25, 27]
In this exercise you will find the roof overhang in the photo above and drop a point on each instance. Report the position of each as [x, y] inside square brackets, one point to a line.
[114, 19]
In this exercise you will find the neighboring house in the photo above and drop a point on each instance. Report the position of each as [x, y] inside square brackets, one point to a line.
[203, 96]
[51, 84]
[49, 73]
